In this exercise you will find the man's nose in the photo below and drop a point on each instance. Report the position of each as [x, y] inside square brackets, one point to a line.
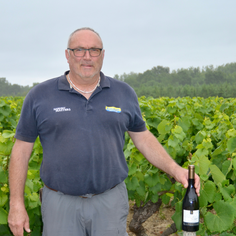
[87, 55]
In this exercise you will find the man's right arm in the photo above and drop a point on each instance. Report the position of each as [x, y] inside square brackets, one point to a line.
[18, 219]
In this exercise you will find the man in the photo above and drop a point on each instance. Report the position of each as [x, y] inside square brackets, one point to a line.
[81, 118]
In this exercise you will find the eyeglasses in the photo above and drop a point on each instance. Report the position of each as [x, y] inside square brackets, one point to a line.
[80, 52]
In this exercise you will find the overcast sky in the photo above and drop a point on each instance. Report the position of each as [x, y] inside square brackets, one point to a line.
[137, 35]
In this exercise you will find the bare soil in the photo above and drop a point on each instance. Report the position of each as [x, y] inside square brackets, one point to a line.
[157, 223]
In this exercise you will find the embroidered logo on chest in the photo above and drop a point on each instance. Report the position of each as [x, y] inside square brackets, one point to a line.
[61, 109]
[113, 109]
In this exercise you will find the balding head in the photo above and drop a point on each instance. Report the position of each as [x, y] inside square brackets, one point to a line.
[80, 29]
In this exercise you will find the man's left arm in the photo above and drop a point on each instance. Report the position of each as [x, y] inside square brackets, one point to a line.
[154, 152]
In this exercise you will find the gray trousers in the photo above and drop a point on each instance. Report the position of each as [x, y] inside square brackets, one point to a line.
[104, 214]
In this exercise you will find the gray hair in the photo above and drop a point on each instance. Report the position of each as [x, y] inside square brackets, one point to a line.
[84, 28]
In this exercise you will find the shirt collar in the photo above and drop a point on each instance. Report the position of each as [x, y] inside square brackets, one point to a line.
[63, 84]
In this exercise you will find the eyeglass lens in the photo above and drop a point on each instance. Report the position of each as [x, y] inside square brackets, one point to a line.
[93, 52]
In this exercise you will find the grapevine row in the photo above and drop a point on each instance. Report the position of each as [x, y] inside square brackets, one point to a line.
[193, 131]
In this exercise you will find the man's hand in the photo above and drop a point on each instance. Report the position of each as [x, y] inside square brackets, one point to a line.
[18, 221]
[181, 175]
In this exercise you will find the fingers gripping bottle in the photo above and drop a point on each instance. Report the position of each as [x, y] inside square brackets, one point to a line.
[190, 209]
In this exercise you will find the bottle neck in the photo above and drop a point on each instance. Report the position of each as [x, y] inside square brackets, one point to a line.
[191, 173]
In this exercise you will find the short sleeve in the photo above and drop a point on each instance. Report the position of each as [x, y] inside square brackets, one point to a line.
[137, 124]
[27, 126]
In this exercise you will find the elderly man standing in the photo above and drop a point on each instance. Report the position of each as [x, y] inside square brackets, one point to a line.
[81, 118]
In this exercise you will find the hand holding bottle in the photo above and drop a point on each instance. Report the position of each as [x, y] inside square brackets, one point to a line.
[181, 175]
[190, 209]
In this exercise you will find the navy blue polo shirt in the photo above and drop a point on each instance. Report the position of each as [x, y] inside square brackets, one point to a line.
[82, 139]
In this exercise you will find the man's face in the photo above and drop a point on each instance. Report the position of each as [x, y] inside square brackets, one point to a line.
[85, 67]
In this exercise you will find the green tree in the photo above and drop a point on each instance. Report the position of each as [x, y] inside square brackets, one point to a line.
[214, 77]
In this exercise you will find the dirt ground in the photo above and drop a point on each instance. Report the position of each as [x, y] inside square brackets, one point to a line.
[157, 223]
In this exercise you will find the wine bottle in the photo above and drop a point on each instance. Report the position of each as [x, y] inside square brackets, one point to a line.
[190, 209]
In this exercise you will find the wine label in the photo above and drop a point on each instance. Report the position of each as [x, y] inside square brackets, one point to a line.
[191, 216]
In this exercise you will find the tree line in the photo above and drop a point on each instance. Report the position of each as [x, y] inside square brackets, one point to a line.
[193, 82]
[8, 89]
[206, 82]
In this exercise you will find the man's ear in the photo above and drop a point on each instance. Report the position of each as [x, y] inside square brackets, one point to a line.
[67, 54]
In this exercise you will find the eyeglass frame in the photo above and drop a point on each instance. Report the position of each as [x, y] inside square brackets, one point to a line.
[85, 49]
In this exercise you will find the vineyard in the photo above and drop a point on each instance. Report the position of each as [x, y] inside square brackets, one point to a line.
[193, 131]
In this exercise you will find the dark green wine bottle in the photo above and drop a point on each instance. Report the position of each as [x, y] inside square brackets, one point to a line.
[190, 209]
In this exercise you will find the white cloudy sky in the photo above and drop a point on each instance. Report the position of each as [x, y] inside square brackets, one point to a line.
[137, 35]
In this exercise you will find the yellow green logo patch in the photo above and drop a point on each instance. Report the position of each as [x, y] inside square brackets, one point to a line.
[113, 109]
